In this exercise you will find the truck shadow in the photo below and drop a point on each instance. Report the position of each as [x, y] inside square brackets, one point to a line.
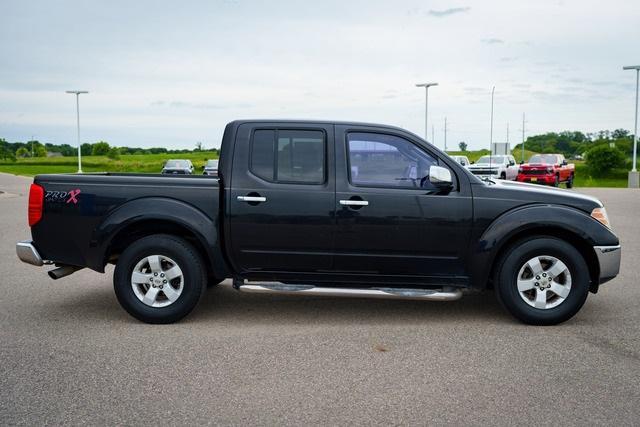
[224, 305]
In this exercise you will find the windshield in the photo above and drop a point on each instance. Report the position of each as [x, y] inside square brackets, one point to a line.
[545, 159]
[495, 160]
[177, 164]
[212, 164]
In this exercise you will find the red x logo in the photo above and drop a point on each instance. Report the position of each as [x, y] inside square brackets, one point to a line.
[72, 196]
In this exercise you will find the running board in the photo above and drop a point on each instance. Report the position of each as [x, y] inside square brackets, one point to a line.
[443, 294]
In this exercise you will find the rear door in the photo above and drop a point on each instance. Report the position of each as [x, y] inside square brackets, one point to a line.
[391, 221]
[282, 198]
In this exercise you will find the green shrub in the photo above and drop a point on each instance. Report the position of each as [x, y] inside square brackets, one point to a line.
[603, 158]
[113, 153]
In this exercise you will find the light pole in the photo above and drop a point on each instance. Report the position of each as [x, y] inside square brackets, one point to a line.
[77, 94]
[491, 127]
[523, 137]
[426, 87]
[633, 175]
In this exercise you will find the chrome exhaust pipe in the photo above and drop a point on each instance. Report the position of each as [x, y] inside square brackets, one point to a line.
[63, 271]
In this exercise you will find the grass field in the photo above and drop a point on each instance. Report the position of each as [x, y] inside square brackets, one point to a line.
[143, 163]
[152, 163]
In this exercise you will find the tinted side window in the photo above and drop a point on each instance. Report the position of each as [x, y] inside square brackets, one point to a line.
[387, 161]
[296, 156]
[262, 154]
[300, 156]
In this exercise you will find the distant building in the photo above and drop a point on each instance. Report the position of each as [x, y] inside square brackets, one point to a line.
[500, 149]
[53, 154]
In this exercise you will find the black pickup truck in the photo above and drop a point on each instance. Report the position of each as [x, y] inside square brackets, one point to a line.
[324, 208]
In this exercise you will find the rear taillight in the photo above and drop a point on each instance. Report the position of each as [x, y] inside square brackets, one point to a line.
[36, 201]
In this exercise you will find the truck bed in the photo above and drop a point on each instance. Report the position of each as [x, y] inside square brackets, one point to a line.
[79, 226]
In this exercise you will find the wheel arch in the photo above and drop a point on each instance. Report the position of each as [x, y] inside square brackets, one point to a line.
[151, 215]
[569, 224]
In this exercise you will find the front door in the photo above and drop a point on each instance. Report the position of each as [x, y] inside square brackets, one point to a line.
[391, 221]
[282, 198]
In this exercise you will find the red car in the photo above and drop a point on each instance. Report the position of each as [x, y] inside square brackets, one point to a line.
[549, 169]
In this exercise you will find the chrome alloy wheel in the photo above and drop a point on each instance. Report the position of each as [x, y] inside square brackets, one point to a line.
[157, 281]
[544, 282]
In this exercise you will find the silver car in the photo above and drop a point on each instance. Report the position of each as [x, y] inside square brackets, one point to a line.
[210, 168]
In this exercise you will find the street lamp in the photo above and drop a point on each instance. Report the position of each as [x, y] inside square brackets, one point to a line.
[491, 127]
[633, 175]
[77, 94]
[426, 86]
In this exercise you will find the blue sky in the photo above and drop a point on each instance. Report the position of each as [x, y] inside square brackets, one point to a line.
[174, 73]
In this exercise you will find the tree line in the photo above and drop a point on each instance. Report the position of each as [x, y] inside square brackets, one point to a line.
[16, 150]
[576, 143]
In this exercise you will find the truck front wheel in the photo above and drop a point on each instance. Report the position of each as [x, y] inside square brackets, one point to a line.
[542, 281]
[159, 279]
[570, 181]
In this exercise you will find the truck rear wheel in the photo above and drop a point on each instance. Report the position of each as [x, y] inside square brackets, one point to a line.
[159, 279]
[542, 281]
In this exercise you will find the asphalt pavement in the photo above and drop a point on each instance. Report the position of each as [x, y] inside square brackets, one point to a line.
[70, 355]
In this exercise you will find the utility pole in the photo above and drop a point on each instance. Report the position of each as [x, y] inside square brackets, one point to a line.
[445, 134]
[31, 146]
[426, 86]
[433, 134]
[507, 132]
[77, 93]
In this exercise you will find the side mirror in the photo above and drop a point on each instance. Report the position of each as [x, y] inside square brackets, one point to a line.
[440, 177]
[473, 162]
[564, 163]
[512, 163]
[522, 162]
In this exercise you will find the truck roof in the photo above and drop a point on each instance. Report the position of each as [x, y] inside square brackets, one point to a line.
[319, 122]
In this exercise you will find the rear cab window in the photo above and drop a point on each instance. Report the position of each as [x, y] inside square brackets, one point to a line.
[296, 156]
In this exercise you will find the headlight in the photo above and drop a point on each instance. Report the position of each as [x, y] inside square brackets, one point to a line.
[600, 215]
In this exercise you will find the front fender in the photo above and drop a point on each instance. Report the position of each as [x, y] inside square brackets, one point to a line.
[157, 209]
[528, 220]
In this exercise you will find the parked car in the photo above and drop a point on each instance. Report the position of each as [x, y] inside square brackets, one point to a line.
[210, 168]
[463, 160]
[288, 215]
[498, 166]
[549, 169]
[178, 167]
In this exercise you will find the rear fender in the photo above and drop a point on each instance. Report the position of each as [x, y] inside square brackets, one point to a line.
[168, 210]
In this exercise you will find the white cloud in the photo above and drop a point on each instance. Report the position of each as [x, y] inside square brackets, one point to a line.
[173, 74]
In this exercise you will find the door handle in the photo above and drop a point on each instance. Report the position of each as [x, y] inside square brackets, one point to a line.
[354, 202]
[251, 199]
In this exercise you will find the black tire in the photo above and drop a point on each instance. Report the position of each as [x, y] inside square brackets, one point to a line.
[503, 176]
[556, 182]
[508, 268]
[193, 278]
[570, 181]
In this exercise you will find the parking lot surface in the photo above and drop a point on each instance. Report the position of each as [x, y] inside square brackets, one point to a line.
[70, 354]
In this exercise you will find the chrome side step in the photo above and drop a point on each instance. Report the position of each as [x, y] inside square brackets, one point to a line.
[443, 294]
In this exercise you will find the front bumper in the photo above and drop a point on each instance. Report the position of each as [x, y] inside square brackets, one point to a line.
[28, 253]
[537, 179]
[609, 261]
